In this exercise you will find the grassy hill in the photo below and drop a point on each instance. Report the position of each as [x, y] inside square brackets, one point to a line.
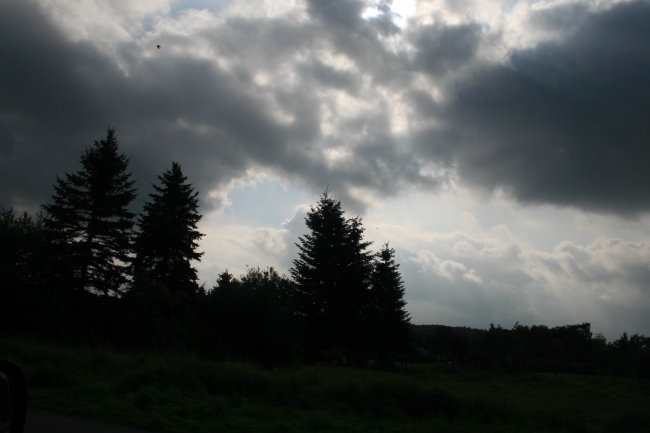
[178, 393]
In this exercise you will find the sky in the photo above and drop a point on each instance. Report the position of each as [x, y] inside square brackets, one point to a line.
[502, 148]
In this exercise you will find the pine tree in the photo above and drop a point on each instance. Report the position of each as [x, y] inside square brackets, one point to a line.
[89, 220]
[389, 320]
[167, 239]
[353, 300]
[332, 275]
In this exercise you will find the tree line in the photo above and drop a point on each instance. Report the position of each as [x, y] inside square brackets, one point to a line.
[87, 269]
[538, 348]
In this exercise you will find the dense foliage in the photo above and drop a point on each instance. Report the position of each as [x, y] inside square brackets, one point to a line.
[21, 259]
[561, 349]
[251, 317]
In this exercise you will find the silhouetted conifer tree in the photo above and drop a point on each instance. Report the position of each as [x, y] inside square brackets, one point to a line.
[167, 239]
[350, 304]
[390, 322]
[89, 219]
[332, 274]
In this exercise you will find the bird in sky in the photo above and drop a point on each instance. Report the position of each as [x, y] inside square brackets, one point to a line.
[158, 46]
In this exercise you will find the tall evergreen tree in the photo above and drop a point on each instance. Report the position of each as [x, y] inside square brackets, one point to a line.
[332, 274]
[350, 303]
[167, 239]
[89, 219]
[389, 320]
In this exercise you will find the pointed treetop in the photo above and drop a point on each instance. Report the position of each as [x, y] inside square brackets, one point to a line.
[90, 215]
[387, 253]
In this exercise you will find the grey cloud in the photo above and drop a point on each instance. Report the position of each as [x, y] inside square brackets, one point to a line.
[341, 13]
[606, 261]
[574, 283]
[331, 77]
[260, 42]
[58, 96]
[565, 123]
[47, 101]
[7, 142]
[442, 49]
[564, 17]
[456, 300]
[384, 22]
[341, 25]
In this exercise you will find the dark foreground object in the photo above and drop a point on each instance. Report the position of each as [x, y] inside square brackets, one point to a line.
[13, 397]
[40, 421]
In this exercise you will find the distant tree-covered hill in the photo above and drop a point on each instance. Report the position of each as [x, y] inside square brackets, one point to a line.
[461, 331]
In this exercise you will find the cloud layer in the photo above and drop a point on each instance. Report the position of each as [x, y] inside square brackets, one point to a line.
[323, 93]
[563, 122]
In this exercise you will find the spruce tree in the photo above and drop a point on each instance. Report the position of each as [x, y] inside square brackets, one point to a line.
[352, 301]
[332, 276]
[389, 320]
[89, 220]
[167, 239]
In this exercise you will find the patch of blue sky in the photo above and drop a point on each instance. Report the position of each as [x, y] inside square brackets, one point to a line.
[214, 6]
[401, 10]
[509, 5]
[267, 203]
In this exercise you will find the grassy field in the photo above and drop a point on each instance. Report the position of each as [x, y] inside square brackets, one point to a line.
[186, 394]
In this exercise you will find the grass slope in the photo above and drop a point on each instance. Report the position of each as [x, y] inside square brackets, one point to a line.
[182, 394]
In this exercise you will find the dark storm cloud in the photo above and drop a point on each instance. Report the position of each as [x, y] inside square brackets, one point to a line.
[442, 49]
[46, 101]
[565, 123]
[340, 13]
[331, 77]
[562, 123]
[7, 142]
[58, 96]
[346, 32]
